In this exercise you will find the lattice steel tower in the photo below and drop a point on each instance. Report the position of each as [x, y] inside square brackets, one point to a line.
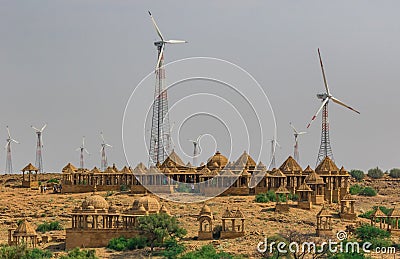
[160, 128]
[39, 146]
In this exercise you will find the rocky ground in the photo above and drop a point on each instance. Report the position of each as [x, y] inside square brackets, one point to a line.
[261, 221]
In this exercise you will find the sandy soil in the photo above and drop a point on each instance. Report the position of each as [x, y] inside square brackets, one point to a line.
[261, 220]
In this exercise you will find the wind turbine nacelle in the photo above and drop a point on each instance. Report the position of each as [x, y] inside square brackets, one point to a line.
[322, 96]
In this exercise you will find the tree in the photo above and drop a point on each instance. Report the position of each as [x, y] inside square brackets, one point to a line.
[357, 174]
[77, 253]
[376, 236]
[356, 189]
[207, 252]
[375, 173]
[395, 173]
[156, 227]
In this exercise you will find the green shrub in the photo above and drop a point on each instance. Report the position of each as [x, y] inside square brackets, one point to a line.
[357, 174]
[207, 252]
[348, 256]
[368, 214]
[123, 188]
[375, 173]
[266, 197]
[394, 173]
[77, 253]
[138, 242]
[293, 197]
[183, 187]
[44, 227]
[356, 189]
[122, 243]
[54, 180]
[118, 243]
[23, 252]
[368, 191]
[370, 233]
[172, 249]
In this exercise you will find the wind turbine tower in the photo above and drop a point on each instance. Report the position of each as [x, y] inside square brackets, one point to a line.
[325, 149]
[274, 144]
[104, 145]
[159, 139]
[196, 148]
[9, 140]
[39, 146]
[82, 150]
[296, 134]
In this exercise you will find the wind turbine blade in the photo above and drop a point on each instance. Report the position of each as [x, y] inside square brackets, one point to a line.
[198, 138]
[160, 57]
[45, 125]
[191, 140]
[78, 149]
[8, 131]
[87, 152]
[316, 114]
[323, 73]
[155, 25]
[294, 129]
[102, 137]
[13, 140]
[301, 133]
[83, 142]
[276, 142]
[8, 143]
[175, 41]
[343, 104]
[108, 145]
[36, 129]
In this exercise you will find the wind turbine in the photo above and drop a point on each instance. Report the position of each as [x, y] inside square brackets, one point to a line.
[195, 148]
[274, 144]
[325, 149]
[39, 146]
[9, 140]
[82, 149]
[159, 140]
[104, 145]
[296, 134]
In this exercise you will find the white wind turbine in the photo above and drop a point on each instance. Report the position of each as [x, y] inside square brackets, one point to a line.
[274, 144]
[325, 149]
[104, 145]
[82, 150]
[195, 148]
[296, 134]
[9, 140]
[39, 146]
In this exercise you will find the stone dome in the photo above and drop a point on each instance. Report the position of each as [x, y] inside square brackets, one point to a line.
[95, 201]
[217, 160]
[150, 204]
[205, 210]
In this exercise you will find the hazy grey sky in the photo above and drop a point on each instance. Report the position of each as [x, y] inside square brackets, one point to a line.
[74, 64]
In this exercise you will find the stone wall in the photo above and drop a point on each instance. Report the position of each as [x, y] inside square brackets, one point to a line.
[92, 238]
[88, 188]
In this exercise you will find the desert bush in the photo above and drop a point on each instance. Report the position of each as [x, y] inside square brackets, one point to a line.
[118, 243]
[395, 173]
[357, 174]
[266, 197]
[368, 214]
[23, 252]
[375, 173]
[138, 242]
[368, 191]
[46, 226]
[172, 249]
[207, 251]
[123, 188]
[77, 253]
[158, 227]
[356, 189]
[53, 180]
[183, 187]
[376, 236]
